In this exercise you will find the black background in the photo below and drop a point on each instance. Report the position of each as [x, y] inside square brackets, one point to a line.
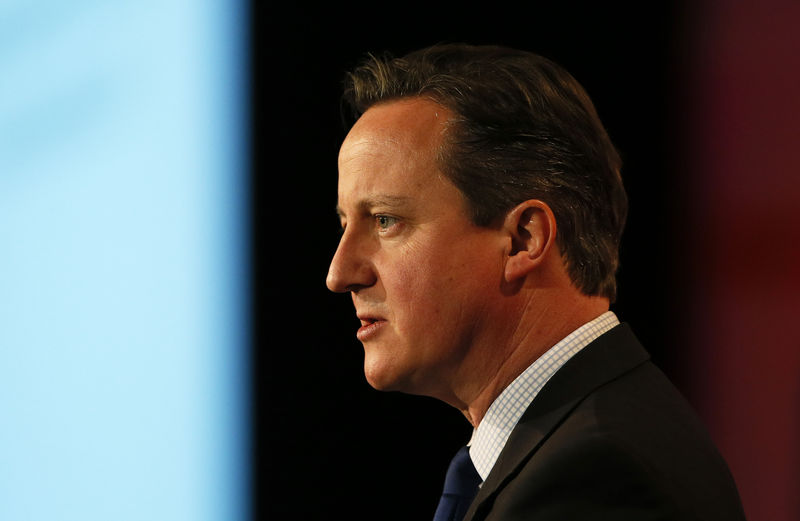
[325, 445]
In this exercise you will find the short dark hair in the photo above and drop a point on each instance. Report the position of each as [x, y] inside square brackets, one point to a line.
[523, 128]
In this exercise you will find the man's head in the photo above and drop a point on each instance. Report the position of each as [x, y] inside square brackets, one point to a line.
[417, 267]
[523, 128]
[467, 209]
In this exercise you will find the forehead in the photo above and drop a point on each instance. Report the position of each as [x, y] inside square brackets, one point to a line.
[393, 147]
[414, 121]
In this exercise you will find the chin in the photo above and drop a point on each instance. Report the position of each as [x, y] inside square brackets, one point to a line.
[380, 381]
[393, 378]
[385, 376]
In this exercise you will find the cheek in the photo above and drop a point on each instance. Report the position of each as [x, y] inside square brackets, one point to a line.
[429, 285]
[426, 296]
[415, 286]
[415, 292]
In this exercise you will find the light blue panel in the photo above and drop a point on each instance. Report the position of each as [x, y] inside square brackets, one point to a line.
[123, 261]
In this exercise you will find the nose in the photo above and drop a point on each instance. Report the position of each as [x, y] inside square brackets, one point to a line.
[351, 268]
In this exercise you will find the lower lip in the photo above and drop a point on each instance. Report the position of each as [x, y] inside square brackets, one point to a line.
[370, 330]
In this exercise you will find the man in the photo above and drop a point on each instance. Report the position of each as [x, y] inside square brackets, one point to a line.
[482, 208]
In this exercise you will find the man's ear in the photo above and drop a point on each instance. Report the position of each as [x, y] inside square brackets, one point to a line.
[532, 228]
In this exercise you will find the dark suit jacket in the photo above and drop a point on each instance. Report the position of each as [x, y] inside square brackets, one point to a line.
[608, 438]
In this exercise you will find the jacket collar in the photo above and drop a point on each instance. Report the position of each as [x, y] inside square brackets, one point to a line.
[611, 355]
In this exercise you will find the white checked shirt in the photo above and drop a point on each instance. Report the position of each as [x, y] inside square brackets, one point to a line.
[494, 429]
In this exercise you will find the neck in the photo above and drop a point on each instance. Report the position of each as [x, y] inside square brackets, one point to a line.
[536, 330]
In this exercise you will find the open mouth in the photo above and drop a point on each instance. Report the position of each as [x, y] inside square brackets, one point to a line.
[370, 326]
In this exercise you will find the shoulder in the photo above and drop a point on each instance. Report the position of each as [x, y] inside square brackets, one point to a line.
[631, 449]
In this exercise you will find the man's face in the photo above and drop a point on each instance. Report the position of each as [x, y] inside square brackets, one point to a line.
[421, 275]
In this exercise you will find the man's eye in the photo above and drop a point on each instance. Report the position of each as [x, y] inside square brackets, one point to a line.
[385, 222]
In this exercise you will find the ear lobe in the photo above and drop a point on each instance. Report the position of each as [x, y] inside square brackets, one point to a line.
[532, 227]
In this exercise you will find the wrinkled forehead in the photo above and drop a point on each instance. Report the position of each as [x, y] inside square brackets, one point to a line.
[415, 125]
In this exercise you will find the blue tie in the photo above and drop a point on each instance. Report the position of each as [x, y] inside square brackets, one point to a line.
[460, 486]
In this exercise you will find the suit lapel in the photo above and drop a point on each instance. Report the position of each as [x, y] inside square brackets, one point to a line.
[611, 355]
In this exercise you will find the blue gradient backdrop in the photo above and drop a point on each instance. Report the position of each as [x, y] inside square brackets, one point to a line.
[123, 261]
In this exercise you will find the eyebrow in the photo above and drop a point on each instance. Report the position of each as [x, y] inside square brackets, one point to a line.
[385, 200]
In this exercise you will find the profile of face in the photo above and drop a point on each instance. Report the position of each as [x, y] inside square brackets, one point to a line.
[421, 275]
